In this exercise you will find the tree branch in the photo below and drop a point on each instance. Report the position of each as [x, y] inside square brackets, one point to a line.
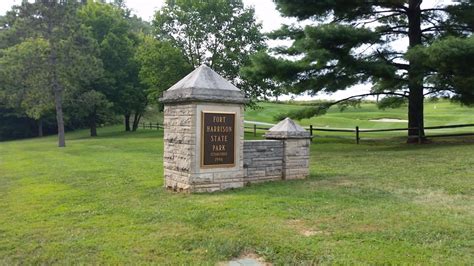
[397, 65]
[434, 9]
[366, 95]
[441, 27]
[393, 30]
[377, 19]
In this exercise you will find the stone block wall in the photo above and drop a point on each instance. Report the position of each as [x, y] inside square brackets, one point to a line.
[219, 178]
[257, 161]
[182, 146]
[263, 160]
[296, 158]
[180, 141]
[284, 155]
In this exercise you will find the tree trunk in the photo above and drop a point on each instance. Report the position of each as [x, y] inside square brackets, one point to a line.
[58, 101]
[127, 122]
[415, 75]
[93, 126]
[136, 120]
[56, 87]
[40, 127]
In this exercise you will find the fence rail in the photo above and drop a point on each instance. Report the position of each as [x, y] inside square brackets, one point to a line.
[151, 125]
[356, 130]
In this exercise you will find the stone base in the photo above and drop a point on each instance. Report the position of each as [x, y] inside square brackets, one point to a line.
[203, 182]
[202, 188]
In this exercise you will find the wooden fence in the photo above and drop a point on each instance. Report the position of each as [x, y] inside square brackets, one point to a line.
[151, 125]
[356, 131]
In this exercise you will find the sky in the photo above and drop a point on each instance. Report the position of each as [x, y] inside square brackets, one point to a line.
[266, 13]
[265, 10]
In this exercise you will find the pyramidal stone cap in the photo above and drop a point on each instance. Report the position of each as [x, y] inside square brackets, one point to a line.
[287, 129]
[205, 85]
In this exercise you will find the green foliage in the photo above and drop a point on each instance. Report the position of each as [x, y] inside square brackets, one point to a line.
[47, 55]
[448, 63]
[391, 102]
[316, 110]
[117, 43]
[345, 43]
[13, 125]
[92, 105]
[256, 76]
[24, 78]
[161, 65]
[219, 33]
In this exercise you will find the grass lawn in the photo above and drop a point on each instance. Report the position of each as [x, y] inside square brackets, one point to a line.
[100, 200]
[438, 113]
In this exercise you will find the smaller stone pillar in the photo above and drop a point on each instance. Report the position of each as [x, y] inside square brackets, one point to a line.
[296, 146]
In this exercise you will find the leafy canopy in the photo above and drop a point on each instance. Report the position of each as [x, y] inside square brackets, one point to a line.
[219, 33]
[161, 65]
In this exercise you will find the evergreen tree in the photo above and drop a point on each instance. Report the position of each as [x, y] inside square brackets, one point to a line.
[23, 80]
[69, 60]
[345, 43]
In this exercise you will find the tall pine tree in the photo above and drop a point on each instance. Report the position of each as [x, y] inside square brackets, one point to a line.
[68, 59]
[345, 43]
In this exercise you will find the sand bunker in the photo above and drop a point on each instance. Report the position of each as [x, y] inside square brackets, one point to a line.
[389, 120]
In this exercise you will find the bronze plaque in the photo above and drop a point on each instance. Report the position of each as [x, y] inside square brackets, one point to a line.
[217, 139]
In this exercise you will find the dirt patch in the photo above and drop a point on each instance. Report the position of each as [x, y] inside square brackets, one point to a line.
[246, 258]
[313, 232]
[439, 199]
[304, 230]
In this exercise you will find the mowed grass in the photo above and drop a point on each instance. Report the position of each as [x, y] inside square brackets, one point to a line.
[439, 113]
[101, 201]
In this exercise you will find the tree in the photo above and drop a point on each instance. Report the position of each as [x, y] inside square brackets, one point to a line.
[450, 67]
[161, 65]
[22, 75]
[70, 54]
[219, 33]
[111, 26]
[353, 42]
[92, 106]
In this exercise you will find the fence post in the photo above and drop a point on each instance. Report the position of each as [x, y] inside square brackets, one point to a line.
[357, 134]
[311, 132]
[157, 126]
[420, 135]
[254, 130]
[143, 125]
[150, 126]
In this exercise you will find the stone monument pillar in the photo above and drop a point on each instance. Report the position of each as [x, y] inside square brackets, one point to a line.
[296, 148]
[204, 133]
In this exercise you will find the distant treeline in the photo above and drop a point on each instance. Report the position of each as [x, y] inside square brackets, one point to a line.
[68, 64]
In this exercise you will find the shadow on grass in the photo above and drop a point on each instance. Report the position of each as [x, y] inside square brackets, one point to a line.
[322, 189]
[140, 134]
